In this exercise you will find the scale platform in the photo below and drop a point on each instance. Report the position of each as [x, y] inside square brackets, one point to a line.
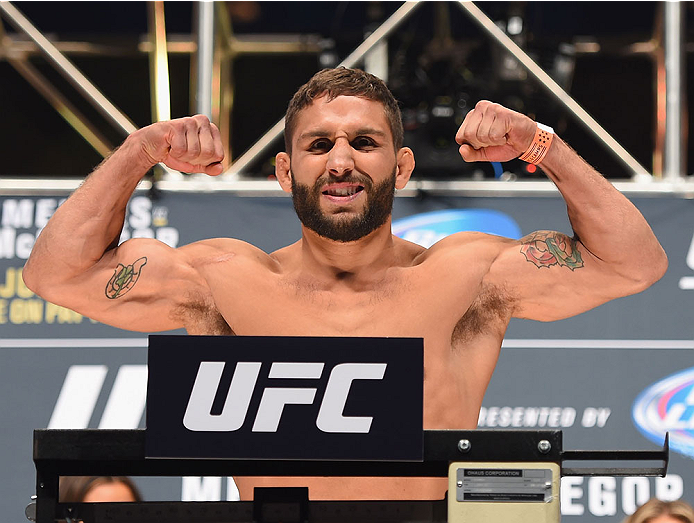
[492, 474]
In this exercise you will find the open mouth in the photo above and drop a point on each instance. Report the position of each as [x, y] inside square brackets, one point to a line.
[342, 192]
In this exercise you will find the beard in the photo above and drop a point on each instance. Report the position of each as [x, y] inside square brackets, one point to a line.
[342, 227]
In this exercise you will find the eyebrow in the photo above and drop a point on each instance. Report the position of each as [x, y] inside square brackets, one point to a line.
[320, 133]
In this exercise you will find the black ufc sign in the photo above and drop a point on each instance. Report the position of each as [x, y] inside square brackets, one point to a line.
[285, 398]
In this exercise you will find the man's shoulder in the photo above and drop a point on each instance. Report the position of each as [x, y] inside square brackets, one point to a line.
[222, 250]
[466, 241]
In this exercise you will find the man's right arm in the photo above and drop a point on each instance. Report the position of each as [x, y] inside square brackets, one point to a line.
[76, 261]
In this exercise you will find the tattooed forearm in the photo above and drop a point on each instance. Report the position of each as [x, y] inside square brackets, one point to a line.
[547, 248]
[124, 278]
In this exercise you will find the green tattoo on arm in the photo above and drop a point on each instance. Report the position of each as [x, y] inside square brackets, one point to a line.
[124, 278]
[547, 248]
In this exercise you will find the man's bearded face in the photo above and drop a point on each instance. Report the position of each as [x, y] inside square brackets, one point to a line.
[344, 225]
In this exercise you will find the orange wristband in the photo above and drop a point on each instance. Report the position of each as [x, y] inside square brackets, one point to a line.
[541, 142]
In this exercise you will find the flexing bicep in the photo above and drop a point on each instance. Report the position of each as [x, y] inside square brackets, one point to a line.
[551, 248]
[124, 278]
[136, 286]
[553, 276]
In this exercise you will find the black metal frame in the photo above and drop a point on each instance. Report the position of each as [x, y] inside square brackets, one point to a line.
[92, 452]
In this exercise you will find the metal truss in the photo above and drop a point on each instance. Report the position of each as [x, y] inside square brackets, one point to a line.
[215, 47]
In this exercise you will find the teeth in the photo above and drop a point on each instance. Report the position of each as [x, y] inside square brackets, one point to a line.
[343, 191]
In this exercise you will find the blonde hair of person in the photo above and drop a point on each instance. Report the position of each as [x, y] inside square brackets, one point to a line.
[654, 508]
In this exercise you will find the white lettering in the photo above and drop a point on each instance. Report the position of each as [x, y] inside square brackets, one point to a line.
[554, 417]
[77, 398]
[505, 414]
[568, 417]
[669, 488]
[602, 493]
[593, 417]
[81, 389]
[45, 208]
[196, 488]
[482, 417]
[197, 416]
[526, 417]
[168, 235]
[635, 492]
[126, 403]
[140, 215]
[274, 399]
[571, 490]
[531, 416]
[7, 240]
[272, 405]
[143, 233]
[544, 415]
[603, 416]
[492, 415]
[17, 213]
[330, 418]
[233, 493]
[13, 244]
[25, 242]
[209, 488]
[602, 496]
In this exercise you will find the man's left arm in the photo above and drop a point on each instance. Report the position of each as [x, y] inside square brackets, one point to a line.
[613, 251]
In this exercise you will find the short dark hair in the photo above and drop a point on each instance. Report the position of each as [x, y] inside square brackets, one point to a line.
[73, 489]
[344, 82]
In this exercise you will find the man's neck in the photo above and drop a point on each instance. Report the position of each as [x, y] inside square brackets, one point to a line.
[358, 261]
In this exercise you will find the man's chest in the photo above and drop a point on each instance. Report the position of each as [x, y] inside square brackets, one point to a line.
[403, 305]
[283, 312]
[412, 302]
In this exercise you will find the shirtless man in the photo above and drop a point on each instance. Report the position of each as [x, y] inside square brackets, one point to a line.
[348, 275]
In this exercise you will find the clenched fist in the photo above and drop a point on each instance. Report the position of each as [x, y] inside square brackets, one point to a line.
[192, 145]
[493, 133]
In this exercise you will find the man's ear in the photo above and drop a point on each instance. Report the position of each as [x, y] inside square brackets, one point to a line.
[283, 171]
[405, 166]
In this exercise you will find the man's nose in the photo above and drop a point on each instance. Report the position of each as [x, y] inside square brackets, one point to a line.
[340, 158]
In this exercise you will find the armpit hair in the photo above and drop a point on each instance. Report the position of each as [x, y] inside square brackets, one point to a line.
[201, 317]
[490, 310]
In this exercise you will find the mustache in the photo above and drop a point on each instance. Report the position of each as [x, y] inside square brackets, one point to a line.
[327, 179]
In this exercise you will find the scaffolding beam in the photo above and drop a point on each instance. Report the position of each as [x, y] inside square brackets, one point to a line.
[68, 70]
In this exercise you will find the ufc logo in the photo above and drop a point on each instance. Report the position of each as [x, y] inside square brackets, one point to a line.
[330, 416]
